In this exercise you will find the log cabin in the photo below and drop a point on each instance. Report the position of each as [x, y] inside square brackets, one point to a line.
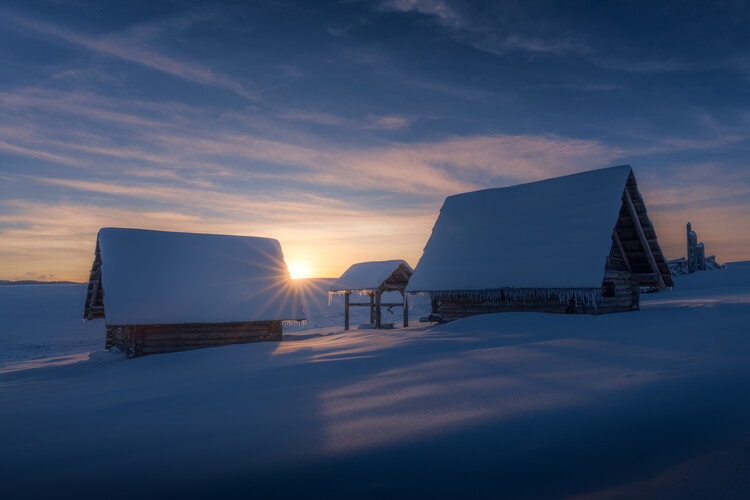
[580, 243]
[163, 291]
[373, 279]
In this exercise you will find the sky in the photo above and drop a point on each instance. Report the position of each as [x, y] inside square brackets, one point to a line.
[339, 128]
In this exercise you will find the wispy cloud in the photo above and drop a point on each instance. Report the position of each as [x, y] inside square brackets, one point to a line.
[643, 66]
[369, 122]
[499, 38]
[184, 139]
[129, 46]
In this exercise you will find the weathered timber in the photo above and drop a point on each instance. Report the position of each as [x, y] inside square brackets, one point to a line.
[406, 309]
[378, 313]
[622, 250]
[382, 304]
[346, 310]
[139, 340]
[372, 308]
[644, 242]
[396, 281]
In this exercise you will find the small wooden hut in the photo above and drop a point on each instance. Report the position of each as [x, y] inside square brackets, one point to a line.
[581, 243]
[373, 279]
[163, 291]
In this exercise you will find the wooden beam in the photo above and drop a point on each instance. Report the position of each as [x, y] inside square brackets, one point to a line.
[640, 277]
[383, 304]
[377, 312]
[406, 309]
[403, 273]
[346, 310]
[94, 293]
[622, 250]
[372, 308]
[642, 237]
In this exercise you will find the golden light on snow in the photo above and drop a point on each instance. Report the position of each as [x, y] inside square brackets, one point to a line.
[298, 270]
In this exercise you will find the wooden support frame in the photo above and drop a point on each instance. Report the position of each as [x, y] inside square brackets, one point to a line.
[375, 306]
[618, 242]
[406, 309]
[642, 237]
[346, 310]
[378, 315]
[372, 308]
[395, 282]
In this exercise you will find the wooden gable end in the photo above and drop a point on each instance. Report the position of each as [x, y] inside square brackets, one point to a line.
[94, 306]
[635, 247]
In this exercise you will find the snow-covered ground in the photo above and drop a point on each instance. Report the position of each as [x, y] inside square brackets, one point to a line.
[651, 404]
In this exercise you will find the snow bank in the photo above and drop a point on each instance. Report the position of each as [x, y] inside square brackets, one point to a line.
[44, 321]
[156, 277]
[367, 275]
[513, 405]
[554, 233]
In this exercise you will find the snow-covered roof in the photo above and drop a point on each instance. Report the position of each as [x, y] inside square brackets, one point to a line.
[550, 234]
[369, 275]
[157, 277]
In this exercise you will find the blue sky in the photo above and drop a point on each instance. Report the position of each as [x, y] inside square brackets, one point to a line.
[339, 127]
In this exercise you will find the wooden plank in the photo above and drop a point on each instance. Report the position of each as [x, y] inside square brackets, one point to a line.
[403, 274]
[383, 304]
[372, 308]
[621, 249]
[642, 237]
[378, 314]
[346, 310]
[147, 343]
[406, 310]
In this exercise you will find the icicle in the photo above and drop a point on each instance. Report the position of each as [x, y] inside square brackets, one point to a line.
[293, 322]
[589, 296]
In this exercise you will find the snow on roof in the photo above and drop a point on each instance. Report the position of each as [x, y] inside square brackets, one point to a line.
[367, 275]
[550, 234]
[157, 277]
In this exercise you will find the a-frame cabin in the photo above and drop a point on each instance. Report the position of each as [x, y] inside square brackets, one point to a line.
[581, 243]
[164, 291]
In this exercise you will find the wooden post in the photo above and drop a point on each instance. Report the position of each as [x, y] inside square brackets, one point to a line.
[377, 307]
[644, 241]
[346, 310]
[372, 308]
[406, 309]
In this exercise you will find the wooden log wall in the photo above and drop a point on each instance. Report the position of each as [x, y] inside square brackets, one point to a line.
[620, 294]
[140, 340]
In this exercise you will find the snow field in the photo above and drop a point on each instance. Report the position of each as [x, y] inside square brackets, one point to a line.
[515, 405]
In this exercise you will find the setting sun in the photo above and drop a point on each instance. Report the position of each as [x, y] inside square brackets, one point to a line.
[298, 270]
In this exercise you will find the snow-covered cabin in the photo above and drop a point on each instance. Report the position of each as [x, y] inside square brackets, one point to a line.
[581, 243]
[372, 279]
[165, 291]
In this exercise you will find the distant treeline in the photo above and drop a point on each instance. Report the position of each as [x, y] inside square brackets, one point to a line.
[35, 282]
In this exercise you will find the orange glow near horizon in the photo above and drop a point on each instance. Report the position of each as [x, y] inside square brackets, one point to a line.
[298, 270]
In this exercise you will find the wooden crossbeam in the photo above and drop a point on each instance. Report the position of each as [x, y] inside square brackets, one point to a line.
[622, 250]
[384, 304]
[403, 273]
[642, 237]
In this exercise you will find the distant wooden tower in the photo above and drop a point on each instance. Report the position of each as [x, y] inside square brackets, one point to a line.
[696, 253]
[163, 292]
[373, 279]
[581, 243]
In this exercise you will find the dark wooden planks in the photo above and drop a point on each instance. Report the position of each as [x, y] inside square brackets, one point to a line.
[139, 340]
